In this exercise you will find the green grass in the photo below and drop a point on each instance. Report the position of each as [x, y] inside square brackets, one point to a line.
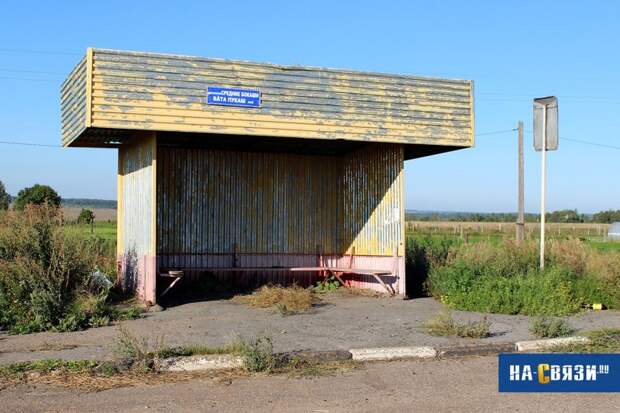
[503, 278]
[495, 238]
[47, 366]
[101, 229]
[603, 245]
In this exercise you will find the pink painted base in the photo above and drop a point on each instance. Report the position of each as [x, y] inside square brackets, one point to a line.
[138, 273]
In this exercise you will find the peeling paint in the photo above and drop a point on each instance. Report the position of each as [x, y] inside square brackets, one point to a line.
[166, 93]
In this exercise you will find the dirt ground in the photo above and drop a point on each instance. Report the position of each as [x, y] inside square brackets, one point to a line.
[339, 322]
[463, 385]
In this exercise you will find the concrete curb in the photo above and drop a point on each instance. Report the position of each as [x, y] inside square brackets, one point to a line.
[476, 350]
[224, 361]
[392, 353]
[311, 356]
[227, 361]
[198, 363]
[546, 344]
[426, 352]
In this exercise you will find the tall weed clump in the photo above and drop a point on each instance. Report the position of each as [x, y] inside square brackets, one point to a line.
[506, 278]
[423, 254]
[45, 274]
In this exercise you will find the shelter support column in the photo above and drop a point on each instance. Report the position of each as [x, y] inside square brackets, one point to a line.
[136, 216]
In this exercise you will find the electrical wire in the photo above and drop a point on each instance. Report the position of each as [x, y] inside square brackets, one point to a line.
[30, 144]
[499, 132]
[601, 145]
[31, 51]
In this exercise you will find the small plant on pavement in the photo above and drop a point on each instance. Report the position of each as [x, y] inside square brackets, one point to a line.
[258, 354]
[550, 327]
[444, 325]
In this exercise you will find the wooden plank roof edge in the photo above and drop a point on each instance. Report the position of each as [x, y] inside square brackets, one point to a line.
[278, 66]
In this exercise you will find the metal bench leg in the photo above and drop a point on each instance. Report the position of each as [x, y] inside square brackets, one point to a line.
[338, 275]
[170, 286]
[389, 291]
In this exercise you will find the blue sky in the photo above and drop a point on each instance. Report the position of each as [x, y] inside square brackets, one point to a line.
[513, 50]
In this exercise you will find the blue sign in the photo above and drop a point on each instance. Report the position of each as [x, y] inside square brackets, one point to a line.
[233, 97]
[559, 373]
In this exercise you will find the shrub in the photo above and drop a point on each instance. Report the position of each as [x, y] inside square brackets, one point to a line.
[5, 198]
[444, 325]
[506, 279]
[45, 274]
[422, 255]
[37, 195]
[550, 327]
[86, 216]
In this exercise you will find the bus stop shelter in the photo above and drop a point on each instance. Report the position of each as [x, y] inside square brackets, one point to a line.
[262, 172]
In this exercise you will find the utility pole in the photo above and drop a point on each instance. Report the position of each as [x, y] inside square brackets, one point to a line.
[521, 196]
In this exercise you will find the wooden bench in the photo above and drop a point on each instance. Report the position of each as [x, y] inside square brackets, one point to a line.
[337, 272]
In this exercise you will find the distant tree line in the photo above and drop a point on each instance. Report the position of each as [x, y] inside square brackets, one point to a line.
[42, 194]
[561, 216]
[89, 203]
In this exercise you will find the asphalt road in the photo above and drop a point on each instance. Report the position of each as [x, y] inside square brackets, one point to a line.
[456, 385]
[341, 322]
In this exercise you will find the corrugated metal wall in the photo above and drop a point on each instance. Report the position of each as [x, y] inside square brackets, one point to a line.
[136, 229]
[73, 103]
[373, 200]
[209, 200]
[272, 203]
[147, 91]
[137, 190]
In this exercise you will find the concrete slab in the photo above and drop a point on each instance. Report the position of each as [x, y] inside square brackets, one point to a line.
[534, 345]
[393, 353]
[198, 363]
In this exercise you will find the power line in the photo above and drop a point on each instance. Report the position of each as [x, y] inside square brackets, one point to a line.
[29, 144]
[602, 145]
[29, 79]
[31, 71]
[31, 51]
[498, 132]
[590, 143]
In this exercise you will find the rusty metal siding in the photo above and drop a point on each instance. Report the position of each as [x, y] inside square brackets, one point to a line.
[73, 103]
[277, 203]
[373, 200]
[265, 203]
[149, 91]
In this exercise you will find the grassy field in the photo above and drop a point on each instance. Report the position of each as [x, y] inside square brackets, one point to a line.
[101, 229]
[472, 232]
[495, 232]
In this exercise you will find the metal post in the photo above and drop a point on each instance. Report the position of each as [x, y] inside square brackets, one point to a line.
[521, 196]
[543, 187]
